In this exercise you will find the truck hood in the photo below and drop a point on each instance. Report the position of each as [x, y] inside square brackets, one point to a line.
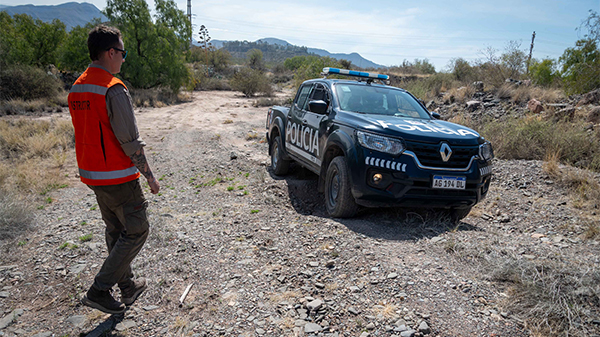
[414, 129]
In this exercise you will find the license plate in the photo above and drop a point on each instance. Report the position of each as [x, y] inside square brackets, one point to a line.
[450, 183]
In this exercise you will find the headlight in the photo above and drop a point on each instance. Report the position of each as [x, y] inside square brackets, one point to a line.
[485, 151]
[380, 143]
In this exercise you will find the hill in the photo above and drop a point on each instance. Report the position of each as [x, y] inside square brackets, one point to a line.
[276, 50]
[71, 13]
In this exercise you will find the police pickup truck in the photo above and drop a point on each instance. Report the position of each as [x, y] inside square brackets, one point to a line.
[375, 145]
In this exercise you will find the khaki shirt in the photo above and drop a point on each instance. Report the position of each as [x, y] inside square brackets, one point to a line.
[122, 118]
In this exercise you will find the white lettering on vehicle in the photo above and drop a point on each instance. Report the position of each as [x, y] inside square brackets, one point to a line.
[302, 137]
[423, 127]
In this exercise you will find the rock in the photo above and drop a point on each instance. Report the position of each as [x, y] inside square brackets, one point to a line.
[312, 328]
[77, 321]
[330, 264]
[392, 276]
[473, 105]
[535, 106]
[77, 268]
[124, 325]
[233, 156]
[4, 294]
[353, 311]
[408, 333]
[478, 85]
[150, 307]
[365, 334]
[370, 326]
[6, 320]
[424, 328]
[401, 327]
[314, 305]
[354, 289]
[565, 114]
[592, 97]
[594, 115]
[43, 334]
[300, 322]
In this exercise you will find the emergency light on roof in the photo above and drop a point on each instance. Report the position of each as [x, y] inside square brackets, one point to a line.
[328, 71]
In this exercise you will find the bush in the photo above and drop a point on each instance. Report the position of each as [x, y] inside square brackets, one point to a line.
[250, 81]
[535, 138]
[15, 214]
[28, 83]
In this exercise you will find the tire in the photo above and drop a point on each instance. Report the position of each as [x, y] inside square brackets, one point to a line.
[279, 165]
[458, 214]
[338, 196]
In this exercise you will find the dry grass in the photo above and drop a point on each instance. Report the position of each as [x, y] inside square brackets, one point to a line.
[385, 310]
[32, 154]
[459, 95]
[533, 137]
[15, 214]
[553, 298]
[582, 185]
[522, 94]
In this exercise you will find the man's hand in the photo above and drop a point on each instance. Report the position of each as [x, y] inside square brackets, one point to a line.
[154, 186]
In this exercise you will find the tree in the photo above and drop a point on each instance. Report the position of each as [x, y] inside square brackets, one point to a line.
[255, 59]
[581, 64]
[462, 70]
[29, 42]
[543, 73]
[581, 67]
[155, 49]
[73, 52]
[250, 81]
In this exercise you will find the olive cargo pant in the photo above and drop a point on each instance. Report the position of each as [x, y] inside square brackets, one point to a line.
[123, 209]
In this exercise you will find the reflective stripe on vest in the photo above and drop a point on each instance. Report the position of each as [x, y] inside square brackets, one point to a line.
[99, 175]
[91, 88]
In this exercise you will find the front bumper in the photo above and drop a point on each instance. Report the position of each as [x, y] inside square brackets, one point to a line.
[404, 183]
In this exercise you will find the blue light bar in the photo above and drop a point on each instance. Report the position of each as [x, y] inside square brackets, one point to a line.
[327, 71]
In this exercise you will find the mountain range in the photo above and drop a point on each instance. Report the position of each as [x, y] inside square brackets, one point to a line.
[355, 58]
[72, 14]
[79, 14]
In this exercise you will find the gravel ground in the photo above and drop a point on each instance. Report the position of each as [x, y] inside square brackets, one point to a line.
[264, 259]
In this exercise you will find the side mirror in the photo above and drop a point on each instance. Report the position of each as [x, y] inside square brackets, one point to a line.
[319, 107]
[436, 115]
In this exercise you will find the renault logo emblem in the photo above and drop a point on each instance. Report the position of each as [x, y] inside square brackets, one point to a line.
[445, 152]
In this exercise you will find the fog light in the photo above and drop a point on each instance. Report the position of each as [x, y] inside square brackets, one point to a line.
[377, 178]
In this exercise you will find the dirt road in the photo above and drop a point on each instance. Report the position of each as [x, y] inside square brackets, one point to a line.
[264, 258]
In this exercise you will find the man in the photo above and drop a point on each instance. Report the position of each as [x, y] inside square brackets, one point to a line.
[110, 157]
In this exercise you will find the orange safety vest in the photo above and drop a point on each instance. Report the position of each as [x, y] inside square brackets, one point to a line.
[100, 158]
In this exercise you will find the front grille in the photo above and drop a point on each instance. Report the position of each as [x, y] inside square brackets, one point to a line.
[429, 154]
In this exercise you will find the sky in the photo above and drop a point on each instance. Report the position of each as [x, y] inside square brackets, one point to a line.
[388, 32]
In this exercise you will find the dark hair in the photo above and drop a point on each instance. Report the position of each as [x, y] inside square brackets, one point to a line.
[102, 38]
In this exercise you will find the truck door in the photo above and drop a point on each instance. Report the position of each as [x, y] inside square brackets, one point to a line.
[301, 135]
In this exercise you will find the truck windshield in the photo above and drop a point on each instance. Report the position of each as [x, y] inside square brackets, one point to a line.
[374, 100]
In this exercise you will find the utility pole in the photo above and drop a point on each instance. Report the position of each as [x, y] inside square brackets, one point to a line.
[189, 13]
[530, 52]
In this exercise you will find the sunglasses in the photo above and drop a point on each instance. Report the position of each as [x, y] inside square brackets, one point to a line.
[123, 52]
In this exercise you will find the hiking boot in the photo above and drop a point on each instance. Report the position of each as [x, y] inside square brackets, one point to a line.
[103, 301]
[131, 291]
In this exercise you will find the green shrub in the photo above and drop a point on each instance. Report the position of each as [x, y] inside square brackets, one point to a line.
[27, 83]
[250, 81]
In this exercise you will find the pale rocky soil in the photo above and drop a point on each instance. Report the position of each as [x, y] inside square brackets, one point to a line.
[265, 259]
